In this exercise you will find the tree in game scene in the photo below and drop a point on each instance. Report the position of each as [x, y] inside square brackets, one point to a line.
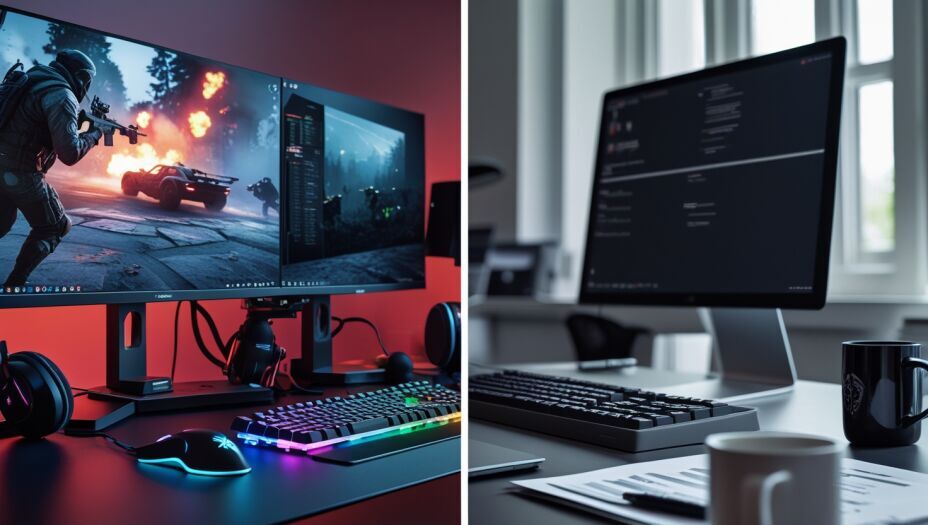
[160, 70]
[108, 84]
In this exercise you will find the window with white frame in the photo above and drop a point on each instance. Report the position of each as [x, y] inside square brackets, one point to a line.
[874, 252]
[868, 167]
[880, 241]
[681, 36]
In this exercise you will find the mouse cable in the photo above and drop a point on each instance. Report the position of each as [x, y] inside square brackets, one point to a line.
[128, 448]
[343, 321]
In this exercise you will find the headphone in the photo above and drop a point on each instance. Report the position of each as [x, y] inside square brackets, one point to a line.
[443, 336]
[250, 356]
[254, 356]
[35, 397]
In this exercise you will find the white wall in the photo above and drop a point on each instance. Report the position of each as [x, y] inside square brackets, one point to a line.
[493, 102]
[589, 38]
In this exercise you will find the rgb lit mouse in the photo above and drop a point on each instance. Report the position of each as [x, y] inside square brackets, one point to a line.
[203, 452]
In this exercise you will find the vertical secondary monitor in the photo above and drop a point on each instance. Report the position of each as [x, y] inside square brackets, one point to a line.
[355, 186]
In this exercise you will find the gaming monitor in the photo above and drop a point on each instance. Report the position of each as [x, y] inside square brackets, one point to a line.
[354, 173]
[716, 188]
[242, 184]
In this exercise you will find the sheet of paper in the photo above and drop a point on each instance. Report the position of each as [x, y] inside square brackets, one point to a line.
[870, 493]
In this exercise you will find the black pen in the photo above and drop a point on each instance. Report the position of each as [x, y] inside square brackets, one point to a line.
[665, 504]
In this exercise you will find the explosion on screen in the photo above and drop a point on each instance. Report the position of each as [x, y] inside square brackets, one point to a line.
[213, 82]
[173, 210]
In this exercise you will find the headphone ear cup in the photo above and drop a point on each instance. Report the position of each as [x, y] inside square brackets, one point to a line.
[64, 389]
[49, 394]
[443, 336]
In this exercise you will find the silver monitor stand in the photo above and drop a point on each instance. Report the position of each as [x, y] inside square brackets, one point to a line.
[752, 354]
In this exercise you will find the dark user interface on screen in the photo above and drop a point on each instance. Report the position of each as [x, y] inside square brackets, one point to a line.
[712, 185]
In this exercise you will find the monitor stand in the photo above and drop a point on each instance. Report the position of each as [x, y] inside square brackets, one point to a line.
[316, 364]
[752, 354]
[130, 390]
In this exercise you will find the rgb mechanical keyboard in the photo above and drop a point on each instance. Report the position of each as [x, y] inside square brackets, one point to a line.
[314, 425]
[626, 419]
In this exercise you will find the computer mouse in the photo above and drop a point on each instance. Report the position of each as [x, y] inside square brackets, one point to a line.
[197, 451]
[398, 366]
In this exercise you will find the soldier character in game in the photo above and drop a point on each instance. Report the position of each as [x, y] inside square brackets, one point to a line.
[39, 125]
[265, 191]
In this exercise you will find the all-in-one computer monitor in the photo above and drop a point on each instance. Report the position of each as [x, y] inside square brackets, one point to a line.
[241, 185]
[716, 188]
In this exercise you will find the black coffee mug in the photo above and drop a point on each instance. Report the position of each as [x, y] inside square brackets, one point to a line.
[882, 393]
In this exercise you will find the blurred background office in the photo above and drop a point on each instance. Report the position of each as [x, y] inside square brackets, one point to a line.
[537, 73]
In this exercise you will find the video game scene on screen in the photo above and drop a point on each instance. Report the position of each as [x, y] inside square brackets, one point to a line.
[355, 171]
[125, 167]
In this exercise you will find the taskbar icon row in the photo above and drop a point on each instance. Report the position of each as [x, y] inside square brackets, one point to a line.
[305, 283]
[252, 284]
[39, 289]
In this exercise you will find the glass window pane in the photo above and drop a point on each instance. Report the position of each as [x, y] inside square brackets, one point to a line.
[877, 167]
[874, 31]
[781, 24]
[681, 34]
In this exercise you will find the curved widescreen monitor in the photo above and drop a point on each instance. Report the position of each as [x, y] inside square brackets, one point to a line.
[219, 197]
[716, 188]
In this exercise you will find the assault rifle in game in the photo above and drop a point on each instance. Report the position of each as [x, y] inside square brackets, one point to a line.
[108, 126]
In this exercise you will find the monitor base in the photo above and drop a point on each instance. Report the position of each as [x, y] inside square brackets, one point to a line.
[752, 355]
[726, 390]
[106, 407]
[350, 377]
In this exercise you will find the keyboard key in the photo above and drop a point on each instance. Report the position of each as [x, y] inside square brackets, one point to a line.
[368, 425]
[241, 423]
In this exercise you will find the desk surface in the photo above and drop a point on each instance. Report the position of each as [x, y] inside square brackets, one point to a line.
[812, 407]
[88, 480]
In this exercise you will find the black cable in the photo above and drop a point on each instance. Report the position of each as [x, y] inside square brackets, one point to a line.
[214, 331]
[80, 391]
[176, 323]
[343, 321]
[128, 448]
[195, 310]
[294, 384]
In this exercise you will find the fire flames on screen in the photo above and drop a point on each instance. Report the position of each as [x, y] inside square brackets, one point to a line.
[194, 204]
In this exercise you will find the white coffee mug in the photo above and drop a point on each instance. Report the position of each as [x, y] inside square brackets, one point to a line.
[774, 478]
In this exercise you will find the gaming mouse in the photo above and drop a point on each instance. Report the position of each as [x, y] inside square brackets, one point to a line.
[203, 452]
[398, 367]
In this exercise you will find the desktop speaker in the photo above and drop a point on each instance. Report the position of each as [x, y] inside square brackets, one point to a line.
[443, 336]
[35, 397]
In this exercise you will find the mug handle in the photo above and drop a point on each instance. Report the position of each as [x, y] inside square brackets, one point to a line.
[914, 362]
[757, 496]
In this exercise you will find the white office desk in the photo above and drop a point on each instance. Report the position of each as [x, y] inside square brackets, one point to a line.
[812, 407]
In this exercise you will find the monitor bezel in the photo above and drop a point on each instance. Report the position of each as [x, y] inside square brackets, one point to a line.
[816, 298]
[27, 300]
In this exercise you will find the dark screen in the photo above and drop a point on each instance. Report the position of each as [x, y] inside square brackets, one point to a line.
[713, 184]
[355, 207]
